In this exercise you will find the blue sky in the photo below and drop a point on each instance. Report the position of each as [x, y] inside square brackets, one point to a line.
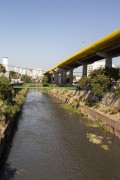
[41, 33]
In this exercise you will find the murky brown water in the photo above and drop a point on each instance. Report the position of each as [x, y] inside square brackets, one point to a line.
[52, 144]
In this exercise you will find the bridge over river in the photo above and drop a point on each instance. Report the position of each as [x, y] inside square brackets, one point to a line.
[52, 144]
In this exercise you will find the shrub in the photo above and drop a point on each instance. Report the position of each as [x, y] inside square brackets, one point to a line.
[2, 69]
[84, 82]
[45, 79]
[6, 90]
[99, 84]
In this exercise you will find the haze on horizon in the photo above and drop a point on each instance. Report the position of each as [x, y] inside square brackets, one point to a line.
[40, 34]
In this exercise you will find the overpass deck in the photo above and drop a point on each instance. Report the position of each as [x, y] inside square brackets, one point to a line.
[106, 47]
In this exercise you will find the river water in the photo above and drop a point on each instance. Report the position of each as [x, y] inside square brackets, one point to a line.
[53, 144]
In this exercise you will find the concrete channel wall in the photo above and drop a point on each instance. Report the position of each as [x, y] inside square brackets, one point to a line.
[77, 100]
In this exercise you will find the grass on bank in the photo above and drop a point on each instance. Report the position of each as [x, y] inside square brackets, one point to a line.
[70, 108]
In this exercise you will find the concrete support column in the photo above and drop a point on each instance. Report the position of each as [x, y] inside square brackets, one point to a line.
[55, 77]
[108, 63]
[71, 77]
[84, 73]
[64, 76]
[61, 77]
[51, 78]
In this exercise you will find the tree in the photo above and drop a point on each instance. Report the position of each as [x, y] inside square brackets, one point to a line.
[84, 82]
[2, 69]
[6, 91]
[45, 79]
[14, 75]
[99, 84]
[4, 80]
[97, 81]
[95, 72]
[113, 73]
[26, 78]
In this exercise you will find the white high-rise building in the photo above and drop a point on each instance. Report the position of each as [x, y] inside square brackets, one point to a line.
[37, 73]
[24, 72]
[15, 69]
[5, 63]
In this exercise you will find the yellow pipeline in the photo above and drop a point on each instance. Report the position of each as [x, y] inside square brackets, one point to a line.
[101, 44]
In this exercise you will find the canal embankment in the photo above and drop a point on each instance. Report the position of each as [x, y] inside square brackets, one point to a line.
[107, 110]
[9, 110]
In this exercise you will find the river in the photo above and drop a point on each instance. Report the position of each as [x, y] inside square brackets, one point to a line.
[52, 144]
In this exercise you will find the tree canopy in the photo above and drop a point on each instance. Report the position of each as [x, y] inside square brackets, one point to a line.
[14, 75]
[26, 78]
[2, 69]
[100, 80]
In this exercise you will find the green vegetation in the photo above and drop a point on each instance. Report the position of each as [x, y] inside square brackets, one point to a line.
[14, 75]
[6, 90]
[70, 108]
[99, 84]
[11, 105]
[84, 82]
[32, 84]
[2, 69]
[45, 80]
[98, 124]
[10, 102]
[113, 74]
[26, 78]
[17, 102]
[101, 80]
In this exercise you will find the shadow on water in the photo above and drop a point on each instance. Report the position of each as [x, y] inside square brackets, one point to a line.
[7, 172]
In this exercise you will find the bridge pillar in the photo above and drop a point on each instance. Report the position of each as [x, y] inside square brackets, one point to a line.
[51, 78]
[84, 73]
[55, 77]
[108, 62]
[61, 77]
[64, 77]
[71, 77]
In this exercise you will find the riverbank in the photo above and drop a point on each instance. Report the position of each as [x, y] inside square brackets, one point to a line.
[8, 115]
[107, 111]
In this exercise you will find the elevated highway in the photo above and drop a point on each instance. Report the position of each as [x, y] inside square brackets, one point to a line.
[107, 48]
